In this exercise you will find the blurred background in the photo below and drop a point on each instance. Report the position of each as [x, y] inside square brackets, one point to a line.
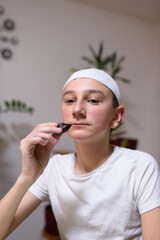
[48, 39]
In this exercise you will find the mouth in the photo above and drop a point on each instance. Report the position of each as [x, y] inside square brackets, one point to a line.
[80, 124]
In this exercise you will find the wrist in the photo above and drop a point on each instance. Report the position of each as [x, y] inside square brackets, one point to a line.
[25, 181]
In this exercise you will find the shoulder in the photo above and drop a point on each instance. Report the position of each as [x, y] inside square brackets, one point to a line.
[146, 178]
[136, 162]
[139, 158]
[60, 161]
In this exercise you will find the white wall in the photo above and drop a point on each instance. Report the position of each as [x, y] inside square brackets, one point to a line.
[53, 35]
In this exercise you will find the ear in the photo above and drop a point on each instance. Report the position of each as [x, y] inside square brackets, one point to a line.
[118, 116]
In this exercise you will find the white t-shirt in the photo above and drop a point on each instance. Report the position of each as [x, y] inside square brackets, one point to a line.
[104, 204]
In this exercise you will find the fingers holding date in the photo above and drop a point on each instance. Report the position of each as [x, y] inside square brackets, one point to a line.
[36, 148]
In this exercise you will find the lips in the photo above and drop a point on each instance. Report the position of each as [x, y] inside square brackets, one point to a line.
[80, 124]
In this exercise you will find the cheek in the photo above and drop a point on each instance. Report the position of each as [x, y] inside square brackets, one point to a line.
[66, 114]
[100, 118]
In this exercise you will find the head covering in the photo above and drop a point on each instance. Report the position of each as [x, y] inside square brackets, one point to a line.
[99, 75]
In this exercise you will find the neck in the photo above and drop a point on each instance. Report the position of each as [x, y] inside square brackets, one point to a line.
[90, 156]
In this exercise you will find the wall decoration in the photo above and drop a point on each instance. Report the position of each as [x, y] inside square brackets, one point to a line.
[1, 10]
[7, 26]
[6, 53]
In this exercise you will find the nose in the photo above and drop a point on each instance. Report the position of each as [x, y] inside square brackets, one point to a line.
[79, 110]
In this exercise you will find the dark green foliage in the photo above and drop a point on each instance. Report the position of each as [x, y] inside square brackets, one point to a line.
[15, 106]
[111, 64]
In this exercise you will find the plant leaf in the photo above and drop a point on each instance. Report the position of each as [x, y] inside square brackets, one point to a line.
[7, 104]
[93, 52]
[114, 58]
[90, 61]
[30, 110]
[100, 50]
[116, 70]
[13, 103]
[107, 60]
[123, 79]
[121, 59]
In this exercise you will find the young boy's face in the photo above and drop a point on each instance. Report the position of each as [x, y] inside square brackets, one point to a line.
[88, 105]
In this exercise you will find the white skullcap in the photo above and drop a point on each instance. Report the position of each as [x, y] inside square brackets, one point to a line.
[98, 75]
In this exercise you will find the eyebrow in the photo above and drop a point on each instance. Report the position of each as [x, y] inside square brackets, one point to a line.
[89, 91]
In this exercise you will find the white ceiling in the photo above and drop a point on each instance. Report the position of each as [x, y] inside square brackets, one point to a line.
[147, 10]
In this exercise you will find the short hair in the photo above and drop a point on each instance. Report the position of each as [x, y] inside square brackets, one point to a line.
[115, 101]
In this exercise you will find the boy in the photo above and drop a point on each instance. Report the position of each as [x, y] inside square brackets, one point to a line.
[99, 192]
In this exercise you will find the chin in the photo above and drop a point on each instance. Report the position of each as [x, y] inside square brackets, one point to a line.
[78, 136]
[81, 136]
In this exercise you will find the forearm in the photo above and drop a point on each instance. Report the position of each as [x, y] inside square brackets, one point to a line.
[10, 203]
[18, 202]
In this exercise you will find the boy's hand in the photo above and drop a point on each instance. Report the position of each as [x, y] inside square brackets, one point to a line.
[37, 147]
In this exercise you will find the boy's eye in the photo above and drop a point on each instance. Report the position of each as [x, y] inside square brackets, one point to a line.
[94, 101]
[69, 101]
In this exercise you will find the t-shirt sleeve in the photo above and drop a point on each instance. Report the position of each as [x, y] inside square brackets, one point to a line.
[40, 187]
[147, 183]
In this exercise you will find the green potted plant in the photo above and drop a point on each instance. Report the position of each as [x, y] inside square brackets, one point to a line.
[18, 130]
[15, 106]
